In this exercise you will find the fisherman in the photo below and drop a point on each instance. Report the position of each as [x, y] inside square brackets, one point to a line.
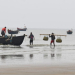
[31, 36]
[52, 39]
[3, 31]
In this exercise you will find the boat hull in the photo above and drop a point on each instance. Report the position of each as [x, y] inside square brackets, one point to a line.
[69, 32]
[16, 40]
[19, 29]
[13, 32]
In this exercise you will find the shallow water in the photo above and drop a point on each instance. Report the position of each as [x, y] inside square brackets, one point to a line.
[40, 52]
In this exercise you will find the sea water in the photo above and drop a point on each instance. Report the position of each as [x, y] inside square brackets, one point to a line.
[40, 52]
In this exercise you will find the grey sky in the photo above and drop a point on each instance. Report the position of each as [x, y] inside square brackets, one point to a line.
[37, 13]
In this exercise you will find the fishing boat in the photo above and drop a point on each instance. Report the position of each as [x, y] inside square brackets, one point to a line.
[12, 40]
[12, 31]
[69, 32]
[21, 29]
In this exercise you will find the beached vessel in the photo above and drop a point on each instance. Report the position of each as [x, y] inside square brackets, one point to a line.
[12, 40]
[21, 29]
[12, 31]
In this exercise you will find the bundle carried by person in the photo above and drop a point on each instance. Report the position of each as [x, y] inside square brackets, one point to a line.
[45, 38]
[58, 40]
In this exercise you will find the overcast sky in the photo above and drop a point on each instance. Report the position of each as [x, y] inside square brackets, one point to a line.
[37, 13]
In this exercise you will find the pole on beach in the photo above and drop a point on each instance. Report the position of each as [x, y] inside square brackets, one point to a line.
[55, 34]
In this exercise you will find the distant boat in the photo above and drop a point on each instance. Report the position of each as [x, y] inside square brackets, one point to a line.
[12, 40]
[12, 31]
[21, 29]
[69, 32]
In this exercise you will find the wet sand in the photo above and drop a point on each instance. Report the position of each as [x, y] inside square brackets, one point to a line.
[68, 69]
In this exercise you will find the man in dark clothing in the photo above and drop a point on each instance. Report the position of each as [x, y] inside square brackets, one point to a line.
[31, 36]
[52, 39]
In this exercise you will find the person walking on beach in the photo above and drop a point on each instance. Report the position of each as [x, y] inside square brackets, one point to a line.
[3, 31]
[52, 39]
[31, 36]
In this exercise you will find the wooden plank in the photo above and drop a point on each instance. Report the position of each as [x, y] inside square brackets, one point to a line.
[54, 34]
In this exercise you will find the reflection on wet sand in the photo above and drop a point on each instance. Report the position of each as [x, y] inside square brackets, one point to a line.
[21, 56]
[11, 56]
[31, 56]
[31, 46]
[52, 55]
[58, 55]
[45, 55]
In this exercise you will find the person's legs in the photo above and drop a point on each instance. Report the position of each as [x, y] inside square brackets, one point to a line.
[3, 33]
[53, 43]
[30, 42]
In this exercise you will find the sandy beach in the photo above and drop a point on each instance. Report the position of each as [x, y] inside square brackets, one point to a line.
[67, 69]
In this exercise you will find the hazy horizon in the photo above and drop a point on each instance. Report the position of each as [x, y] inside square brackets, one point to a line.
[56, 14]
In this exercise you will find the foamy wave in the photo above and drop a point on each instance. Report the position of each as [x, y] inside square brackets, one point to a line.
[49, 45]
